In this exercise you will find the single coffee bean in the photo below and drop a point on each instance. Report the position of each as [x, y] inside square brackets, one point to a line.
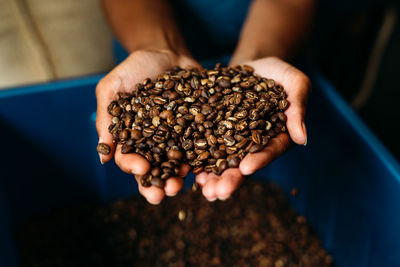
[224, 83]
[157, 182]
[242, 143]
[199, 118]
[136, 134]
[211, 140]
[124, 135]
[256, 148]
[125, 149]
[253, 125]
[190, 155]
[229, 140]
[156, 172]
[174, 154]
[116, 111]
[218, 154]
[201, 144]
[282, 117]
[231, 150]
[233, 161]
[256, 137]
[145, 180]
[103, 148]
[283, 104]
[212, 161]
[203, 156]
[208, 124]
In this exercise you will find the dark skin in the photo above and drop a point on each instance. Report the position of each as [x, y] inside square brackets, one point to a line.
[273, 31]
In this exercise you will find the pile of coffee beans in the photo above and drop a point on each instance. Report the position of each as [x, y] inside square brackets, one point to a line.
[209, 119]
[255, 227]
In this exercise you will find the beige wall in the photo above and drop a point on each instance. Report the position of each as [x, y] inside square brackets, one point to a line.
[43, 40]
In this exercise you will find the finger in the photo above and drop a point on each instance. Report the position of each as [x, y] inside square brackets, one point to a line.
[202, 178]
[255, 161]
[131, 163]
[297, 97]
[229, 181]
[209, 187]
[174, 185]
[298, 87]
[154, 195]
[105, 93]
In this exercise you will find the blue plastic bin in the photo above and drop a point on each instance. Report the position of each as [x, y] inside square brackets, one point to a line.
[348, 182]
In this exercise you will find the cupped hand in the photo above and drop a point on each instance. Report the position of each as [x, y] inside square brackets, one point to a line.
[137, 67]
[298, 86]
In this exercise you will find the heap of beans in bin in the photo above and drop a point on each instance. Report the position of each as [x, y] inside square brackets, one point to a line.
[208, 119]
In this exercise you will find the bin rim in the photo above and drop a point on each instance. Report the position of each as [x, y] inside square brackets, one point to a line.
[50, 86]
[358, 125]
[326, 87]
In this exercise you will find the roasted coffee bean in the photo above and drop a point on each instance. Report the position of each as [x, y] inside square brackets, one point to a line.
[282, 117]
[211, 160]
[156, 172]
[116, 111]
[229, 140]
[103, 148]
[241, 126]
[211, 140]
[222, 165]
[201, 144]
[199, 118]
[253, 125]
[256, 148]
[147, 132]
[233, 161]
[124, 135]
[174, 154]
[157, 182]
[206, 109]
[187, 144]
[231, 150]
[242, 143]
[218, 154]
[283, 104]
[190, 155]
[224, 83]
[256, 137]
[145, 180]
[125, 149]
[203, 156]
[208, 124]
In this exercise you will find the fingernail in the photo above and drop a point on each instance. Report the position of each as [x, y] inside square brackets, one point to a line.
[211, 199]
[304, 132]
[170, 195]
[224, 198]
[101, 159]
[154, 203]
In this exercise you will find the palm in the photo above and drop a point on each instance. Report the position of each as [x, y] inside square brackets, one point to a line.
[297, 86]
[137, 67]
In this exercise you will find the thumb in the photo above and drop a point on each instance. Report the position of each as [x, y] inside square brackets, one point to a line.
[106, 91]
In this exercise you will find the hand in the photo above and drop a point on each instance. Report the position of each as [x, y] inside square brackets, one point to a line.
[138, 66]
[298, 87]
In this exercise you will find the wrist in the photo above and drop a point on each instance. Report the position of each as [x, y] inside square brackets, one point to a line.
[157, 40]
